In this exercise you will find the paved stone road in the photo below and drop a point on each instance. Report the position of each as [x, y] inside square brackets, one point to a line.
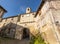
[24, 41]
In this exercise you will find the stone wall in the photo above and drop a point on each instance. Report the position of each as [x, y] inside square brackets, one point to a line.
[1, 12]
[25, 21]
[46, 24]
[46, 28]
[29, 17]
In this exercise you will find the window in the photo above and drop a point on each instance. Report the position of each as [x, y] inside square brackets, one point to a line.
[57, 21]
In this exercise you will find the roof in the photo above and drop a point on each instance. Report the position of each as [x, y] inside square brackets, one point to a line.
[3, 8]
[18, 15]
[41, 5]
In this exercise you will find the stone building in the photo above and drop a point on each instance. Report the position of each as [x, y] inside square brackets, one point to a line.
[46, 21]
[49, 21]
[24, 23]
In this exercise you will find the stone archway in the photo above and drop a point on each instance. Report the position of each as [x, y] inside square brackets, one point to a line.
[26, 33]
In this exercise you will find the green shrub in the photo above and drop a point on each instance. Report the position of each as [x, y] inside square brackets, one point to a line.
[37, 40]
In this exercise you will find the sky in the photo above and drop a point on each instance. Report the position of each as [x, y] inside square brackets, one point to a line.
[15, 7]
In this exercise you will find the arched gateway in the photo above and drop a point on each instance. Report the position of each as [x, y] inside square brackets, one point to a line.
[26, 33]
[22, 33]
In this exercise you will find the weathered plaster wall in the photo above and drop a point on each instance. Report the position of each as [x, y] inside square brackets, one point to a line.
[27, 18]
[46, 23]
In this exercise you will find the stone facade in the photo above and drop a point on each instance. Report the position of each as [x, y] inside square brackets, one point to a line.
[49, 21]
[21, 21]
[46, 21]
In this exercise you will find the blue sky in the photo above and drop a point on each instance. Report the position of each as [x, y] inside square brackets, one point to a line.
[15, 7]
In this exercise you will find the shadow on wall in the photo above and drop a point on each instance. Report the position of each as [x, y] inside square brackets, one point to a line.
[10, 31]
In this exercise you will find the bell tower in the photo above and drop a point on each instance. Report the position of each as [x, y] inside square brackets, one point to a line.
[28, 10]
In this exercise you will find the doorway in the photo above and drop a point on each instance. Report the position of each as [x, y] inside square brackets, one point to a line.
[26, 33]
